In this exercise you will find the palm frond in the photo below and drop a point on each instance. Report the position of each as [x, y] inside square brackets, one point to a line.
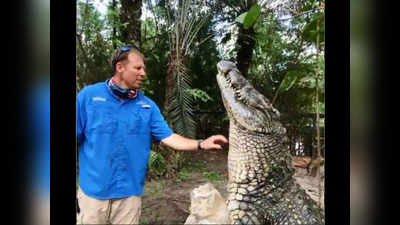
[185, 29]
[181, 108]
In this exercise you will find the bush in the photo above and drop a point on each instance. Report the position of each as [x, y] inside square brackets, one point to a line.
[157, 166]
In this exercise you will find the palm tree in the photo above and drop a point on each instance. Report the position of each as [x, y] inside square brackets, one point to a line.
[185, 24]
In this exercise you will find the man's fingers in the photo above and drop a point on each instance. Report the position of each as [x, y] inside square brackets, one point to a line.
[217, 146]
[219, 142]
[220, 139]
[223, 138]
[215, 142]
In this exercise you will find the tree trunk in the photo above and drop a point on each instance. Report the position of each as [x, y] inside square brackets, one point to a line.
[169, 88]
[245, 43]
[114, 33]
[131, 11]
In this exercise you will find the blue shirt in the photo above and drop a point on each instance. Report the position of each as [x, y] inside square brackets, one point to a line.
[115, 138]
[40, 126]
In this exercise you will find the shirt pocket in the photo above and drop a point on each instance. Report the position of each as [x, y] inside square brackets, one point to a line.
[101, 120]
[139, 122]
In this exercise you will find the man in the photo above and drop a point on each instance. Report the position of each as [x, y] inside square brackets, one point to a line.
[115, 123]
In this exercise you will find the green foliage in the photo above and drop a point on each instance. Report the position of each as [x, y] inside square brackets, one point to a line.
[203, 72]
[176, 161]
[311, 32]
[93, 48]
[250, 17]
[157, 165]
[288, 81]
[281, 65]
[240, 19]
[155, 48]
[284, 67]
[199, 94]
[114, 25]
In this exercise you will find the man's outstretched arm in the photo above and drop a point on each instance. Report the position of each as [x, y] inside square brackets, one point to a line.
[178, 142]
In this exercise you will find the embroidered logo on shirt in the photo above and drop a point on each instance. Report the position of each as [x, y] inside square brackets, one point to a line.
[145, 106]
[99, 99]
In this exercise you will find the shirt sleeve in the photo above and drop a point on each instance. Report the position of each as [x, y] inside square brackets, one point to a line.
[80, 118]
[159, 126]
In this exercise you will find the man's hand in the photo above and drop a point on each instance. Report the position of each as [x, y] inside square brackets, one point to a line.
[213, 142]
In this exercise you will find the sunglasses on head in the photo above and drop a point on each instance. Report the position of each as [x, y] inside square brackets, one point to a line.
[121, 50]
[125, 48]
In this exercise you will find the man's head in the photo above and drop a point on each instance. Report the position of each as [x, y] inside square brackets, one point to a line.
[129, 68]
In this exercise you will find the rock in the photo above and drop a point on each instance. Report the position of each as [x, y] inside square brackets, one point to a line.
[207, 206]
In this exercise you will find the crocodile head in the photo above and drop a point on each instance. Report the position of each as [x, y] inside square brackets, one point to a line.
[247, 107]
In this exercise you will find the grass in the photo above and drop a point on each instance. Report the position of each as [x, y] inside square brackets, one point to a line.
[183, 175]
[155, 188]
[191, 166]
[213, 176]
[194, 165]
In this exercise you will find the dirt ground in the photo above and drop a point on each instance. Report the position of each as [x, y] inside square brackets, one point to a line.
[167, 201]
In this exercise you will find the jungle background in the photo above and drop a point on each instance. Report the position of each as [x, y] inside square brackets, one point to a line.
[277, 45]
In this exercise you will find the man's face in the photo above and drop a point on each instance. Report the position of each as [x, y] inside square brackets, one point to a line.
[132, 71]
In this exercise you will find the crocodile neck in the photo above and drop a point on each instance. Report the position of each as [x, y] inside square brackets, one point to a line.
[256, 157]
[260, 172]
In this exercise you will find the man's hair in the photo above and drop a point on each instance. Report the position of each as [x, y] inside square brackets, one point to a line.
[120, 55]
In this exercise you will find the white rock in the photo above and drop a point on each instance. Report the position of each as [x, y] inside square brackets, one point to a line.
[207, 206]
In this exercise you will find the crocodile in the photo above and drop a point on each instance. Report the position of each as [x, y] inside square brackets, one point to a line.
[261, 188]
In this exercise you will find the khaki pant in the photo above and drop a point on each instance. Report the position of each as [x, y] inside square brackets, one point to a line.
[39, 210]
[110, 211]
